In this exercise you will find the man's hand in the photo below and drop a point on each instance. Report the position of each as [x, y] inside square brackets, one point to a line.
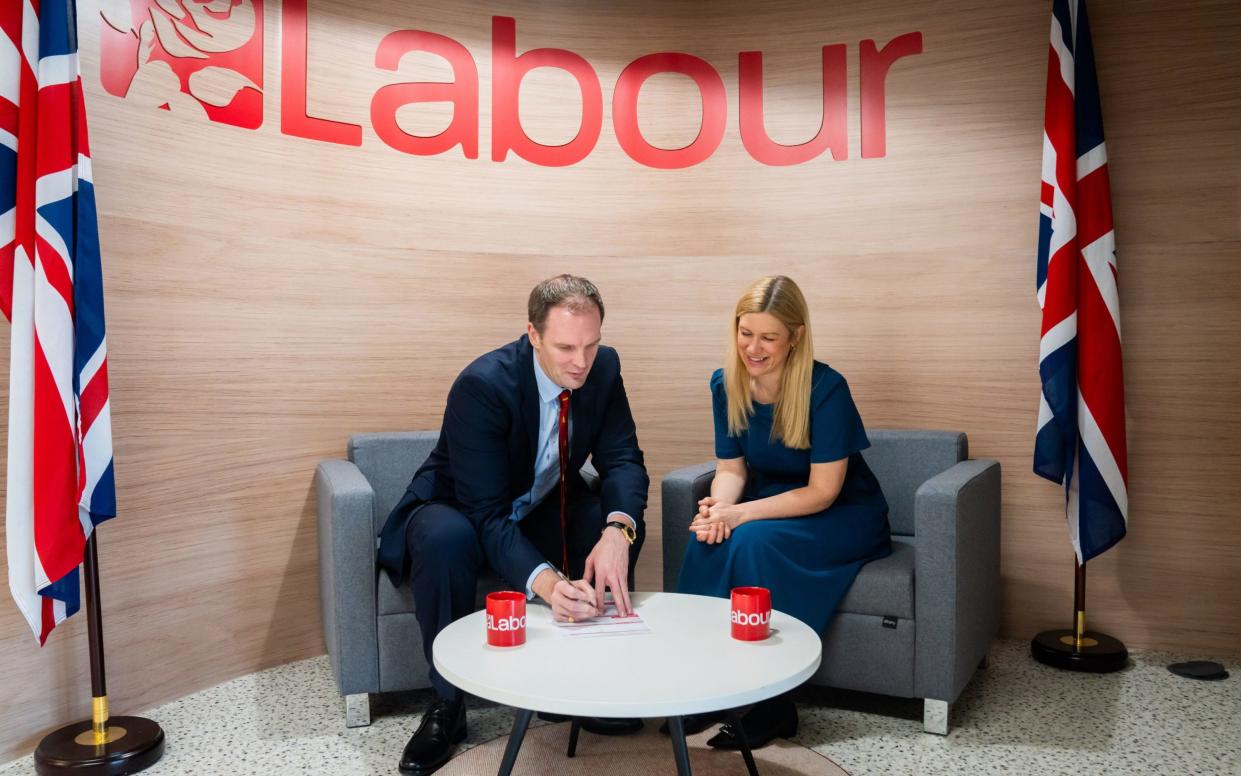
[608, 567]
[569, 601]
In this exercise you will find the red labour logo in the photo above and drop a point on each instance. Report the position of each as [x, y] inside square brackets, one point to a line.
[505, 623]
[202, 57]
[751, 618]
[205, 57]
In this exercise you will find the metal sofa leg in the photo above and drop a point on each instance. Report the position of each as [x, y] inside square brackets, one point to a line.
[357, 710]
[985, 663]
[935, 717]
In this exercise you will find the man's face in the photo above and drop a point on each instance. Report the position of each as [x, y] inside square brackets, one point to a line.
[568, 345]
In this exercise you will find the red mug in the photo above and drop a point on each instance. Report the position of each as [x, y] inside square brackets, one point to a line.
[751, 613]
[506, 619]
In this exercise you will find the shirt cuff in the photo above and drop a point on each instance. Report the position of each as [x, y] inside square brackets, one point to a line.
[613, 515]
[530, 582]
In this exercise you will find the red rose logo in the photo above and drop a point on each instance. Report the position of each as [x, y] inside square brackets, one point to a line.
[187, 56]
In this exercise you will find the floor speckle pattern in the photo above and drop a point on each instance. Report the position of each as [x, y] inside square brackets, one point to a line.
[1015, 717]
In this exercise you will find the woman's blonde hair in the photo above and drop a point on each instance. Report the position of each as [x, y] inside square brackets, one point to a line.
[779, 296]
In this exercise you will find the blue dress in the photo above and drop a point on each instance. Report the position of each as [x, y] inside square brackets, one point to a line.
[807, 562]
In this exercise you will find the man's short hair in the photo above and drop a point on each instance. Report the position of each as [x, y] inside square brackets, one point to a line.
[576, 294]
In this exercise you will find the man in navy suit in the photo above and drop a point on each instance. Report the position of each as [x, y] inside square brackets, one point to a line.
[494, 494]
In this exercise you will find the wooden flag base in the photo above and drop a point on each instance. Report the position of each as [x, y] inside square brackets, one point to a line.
[1077, 649]
[102, 745]
[133, 744]
[1098, 653]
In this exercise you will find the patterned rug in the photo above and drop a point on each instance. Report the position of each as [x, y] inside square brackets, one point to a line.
[644, 754]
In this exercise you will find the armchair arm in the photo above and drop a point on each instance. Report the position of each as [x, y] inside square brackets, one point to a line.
[681, 491]
[956, 575]
[347, 575]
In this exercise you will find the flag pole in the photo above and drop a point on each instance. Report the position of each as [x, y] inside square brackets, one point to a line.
[103, 745]
[1077, 649]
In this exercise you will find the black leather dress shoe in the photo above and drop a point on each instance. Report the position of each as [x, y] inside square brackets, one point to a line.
[443, 725]
[610, 726]
[766, 721]
[695, 723]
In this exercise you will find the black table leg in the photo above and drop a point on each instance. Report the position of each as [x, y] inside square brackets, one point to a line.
[574, 729]
[677, 730]
[734, 719]
[514, 740]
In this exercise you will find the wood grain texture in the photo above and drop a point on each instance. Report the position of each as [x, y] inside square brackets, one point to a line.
[269, 295]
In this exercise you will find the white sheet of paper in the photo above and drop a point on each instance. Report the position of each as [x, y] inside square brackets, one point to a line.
[607, 624]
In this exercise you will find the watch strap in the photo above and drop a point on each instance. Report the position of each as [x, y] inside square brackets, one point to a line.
[625, 528]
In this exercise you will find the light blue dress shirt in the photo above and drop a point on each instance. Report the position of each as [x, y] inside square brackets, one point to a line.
[546, 457]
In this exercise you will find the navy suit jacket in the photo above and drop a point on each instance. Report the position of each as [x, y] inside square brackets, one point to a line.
[484, 458]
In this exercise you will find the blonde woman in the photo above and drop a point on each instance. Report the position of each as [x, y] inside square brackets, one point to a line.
[793, 506]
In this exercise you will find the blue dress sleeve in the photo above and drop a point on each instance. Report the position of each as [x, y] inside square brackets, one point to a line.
[836, 429]
[726, 446]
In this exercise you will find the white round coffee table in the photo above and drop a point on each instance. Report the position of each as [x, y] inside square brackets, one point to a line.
[688, 664]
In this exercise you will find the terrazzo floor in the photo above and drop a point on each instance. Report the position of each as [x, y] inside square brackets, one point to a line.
[1016, 717]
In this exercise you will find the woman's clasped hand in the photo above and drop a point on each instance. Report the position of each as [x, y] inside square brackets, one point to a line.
[716, 520]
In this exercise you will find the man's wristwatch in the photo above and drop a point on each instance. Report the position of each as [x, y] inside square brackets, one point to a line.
[626, 530]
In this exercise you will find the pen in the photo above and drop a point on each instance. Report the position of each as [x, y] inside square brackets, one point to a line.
[562, 575]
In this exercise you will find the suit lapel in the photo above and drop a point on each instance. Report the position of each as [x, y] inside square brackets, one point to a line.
[528, 398]
[580, 408]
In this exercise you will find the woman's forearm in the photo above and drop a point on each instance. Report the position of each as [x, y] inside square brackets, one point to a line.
[727, 487]
[798, 502]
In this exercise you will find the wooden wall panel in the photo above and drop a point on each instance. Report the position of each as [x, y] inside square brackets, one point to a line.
[269, 295]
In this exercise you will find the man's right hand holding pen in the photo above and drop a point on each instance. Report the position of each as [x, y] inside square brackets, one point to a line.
[570, 601]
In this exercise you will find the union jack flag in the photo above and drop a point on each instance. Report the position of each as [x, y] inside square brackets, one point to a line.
[60, 478]
[1081, 426]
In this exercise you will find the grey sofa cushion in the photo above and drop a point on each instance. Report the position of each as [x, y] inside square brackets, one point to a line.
[885, 587]
[393, 600]
[903, 459]
[401, 665]
[859, 653]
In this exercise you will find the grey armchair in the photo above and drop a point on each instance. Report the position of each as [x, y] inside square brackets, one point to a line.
[917, 623]
[373, 641]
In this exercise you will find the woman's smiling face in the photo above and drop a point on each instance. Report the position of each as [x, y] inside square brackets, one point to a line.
[763, 343]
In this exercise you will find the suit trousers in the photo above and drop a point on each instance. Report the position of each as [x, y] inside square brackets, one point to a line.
[447, 558]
